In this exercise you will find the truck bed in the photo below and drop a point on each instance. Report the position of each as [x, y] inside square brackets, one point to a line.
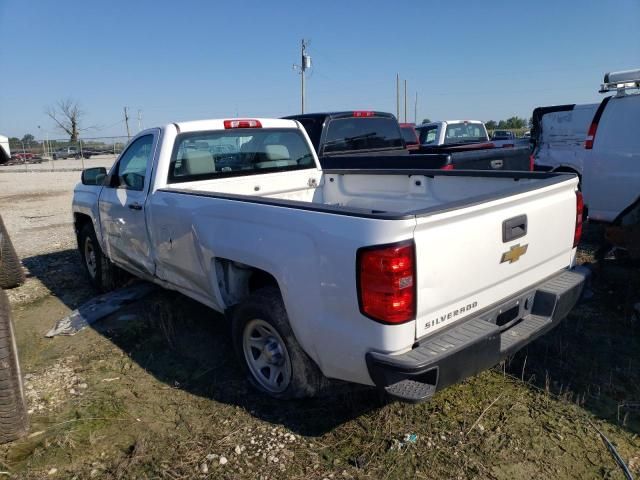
[385, 194]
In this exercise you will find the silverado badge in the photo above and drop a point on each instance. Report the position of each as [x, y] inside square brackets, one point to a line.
[514, 253]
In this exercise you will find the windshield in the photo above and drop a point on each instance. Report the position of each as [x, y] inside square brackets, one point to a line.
[464, 133]
[205, 155]
[348, 134]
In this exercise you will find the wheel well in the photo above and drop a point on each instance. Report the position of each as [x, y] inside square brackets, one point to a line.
[237, 280]
[80, 220]
[260, 279]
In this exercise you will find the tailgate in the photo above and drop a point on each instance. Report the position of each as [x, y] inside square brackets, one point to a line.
[464, 265]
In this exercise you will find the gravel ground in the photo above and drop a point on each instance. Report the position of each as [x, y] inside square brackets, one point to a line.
[70, 164]
[36, 208]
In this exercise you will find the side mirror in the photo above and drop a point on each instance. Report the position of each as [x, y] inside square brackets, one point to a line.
[93, 176]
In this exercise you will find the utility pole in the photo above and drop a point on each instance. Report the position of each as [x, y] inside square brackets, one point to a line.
[305, 64]
[415, 110]
[139, 120]
[126, 121]
[405, 101]
[398, 96]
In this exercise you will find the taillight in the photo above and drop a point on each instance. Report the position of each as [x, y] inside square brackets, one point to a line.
[363, 114]
[386, 282]
[593, 128]
[532, 162]
[448, 166]
[242, 124]
[579, 213]
[591, 135]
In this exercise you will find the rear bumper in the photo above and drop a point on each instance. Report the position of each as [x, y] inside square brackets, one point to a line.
[477, 343]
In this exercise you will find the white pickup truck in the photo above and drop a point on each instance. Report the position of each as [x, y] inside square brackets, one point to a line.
[407, 280]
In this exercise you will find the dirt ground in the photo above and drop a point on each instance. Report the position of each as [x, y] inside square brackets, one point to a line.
[155, 392]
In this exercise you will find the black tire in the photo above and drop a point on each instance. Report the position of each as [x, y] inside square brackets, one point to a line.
[14, 421]
[11, 272]
[101, 272]
[266, 304]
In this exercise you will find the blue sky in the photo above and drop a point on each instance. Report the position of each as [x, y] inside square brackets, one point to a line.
[209, 59]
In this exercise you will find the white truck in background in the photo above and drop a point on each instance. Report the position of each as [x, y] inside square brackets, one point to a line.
[452, 133]
[599, 143]
[5, 151]
[406, 280]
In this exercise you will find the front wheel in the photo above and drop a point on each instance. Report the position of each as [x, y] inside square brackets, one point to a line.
[269, 354]
[102, 273]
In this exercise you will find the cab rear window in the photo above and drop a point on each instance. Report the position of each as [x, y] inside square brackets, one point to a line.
[464, 133]
[225, 153]
[371, 133]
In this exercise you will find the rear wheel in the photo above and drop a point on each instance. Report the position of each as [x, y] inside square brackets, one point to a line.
[102, 273]
[269, 354]
[13, 411]
[11, 273]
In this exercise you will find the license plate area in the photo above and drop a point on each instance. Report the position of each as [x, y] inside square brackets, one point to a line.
[512, 312]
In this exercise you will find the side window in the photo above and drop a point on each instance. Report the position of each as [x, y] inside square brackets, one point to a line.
[428, 135]
[132, 167]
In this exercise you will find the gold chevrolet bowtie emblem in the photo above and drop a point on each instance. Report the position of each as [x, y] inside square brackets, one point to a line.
[514, 253]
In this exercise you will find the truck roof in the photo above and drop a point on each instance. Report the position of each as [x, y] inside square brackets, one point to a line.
[448, 121]
[218, 124]
[347, 113]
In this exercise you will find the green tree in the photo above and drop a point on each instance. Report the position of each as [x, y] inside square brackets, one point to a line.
[28, 139]
[491, 125]
[426, 120]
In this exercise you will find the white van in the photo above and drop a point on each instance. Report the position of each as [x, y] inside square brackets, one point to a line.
[559, 132]
[598, 142]
[5, 152]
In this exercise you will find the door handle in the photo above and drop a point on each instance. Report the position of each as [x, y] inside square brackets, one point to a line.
[135, 206]
[496, 163]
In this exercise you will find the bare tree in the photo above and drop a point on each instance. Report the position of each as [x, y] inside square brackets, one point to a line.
[68, 116]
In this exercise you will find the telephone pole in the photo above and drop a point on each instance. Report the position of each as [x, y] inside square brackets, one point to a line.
[398, 96]
[126, 121]
[305, 64]
[139, 120]
[415, 110]
[405, 101]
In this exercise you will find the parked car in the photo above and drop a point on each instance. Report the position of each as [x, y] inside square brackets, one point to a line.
[503, 138]
[453, 133]
[337, 136]
[70, 152]
[22, 156]
[352, 132]
[464, 144]
[406, 280]
[410, 136]
[502, 135]
[599, 143]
